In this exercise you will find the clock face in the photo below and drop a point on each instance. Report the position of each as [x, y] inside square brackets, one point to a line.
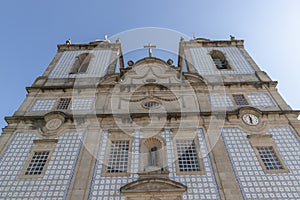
[250, 119]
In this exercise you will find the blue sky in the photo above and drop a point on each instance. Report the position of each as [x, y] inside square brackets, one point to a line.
[31, 29]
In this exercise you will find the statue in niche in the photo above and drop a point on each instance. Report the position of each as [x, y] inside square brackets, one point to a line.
[153, 156]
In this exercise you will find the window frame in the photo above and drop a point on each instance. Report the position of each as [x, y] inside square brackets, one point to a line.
[33, 161]
[39, 146]
[245, 99]
[107, 156]
[263, 141]
[151, 104]
[198, 153]
[59, 101]
[217, 54]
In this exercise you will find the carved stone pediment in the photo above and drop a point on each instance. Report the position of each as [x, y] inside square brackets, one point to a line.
[151, 71]
[155, 187]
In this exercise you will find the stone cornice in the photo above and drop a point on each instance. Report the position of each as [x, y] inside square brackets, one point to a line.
[169, 114]
[101, 44]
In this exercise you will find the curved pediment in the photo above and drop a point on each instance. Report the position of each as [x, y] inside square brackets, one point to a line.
[150, 59]
[151, 70]
[157, 185]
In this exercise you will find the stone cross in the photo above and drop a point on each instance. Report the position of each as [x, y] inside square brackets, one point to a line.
[149, 46]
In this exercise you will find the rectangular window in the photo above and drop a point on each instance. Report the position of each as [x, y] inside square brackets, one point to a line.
[269, 158]
[240, 99]
[38, 159]
[37, 163]
[63, 104]
[188, 160]
[118, 157]
[267, 154]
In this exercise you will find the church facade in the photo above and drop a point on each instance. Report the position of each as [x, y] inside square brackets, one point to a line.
[212, 126]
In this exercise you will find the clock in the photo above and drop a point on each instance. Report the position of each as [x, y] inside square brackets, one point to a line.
[250, 119]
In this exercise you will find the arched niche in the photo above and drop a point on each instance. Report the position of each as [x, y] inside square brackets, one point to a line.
[153, 156]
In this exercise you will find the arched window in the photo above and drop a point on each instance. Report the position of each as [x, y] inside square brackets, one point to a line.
[81, 63]
[219, 59]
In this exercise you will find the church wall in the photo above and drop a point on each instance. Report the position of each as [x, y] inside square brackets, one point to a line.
[106, 186]
[200, 186]
[56, 179]
[105, 107]
[97, 67]
[253, 181]
[205, 65]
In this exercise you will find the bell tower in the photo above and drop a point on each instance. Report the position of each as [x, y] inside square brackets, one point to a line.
[212, 126]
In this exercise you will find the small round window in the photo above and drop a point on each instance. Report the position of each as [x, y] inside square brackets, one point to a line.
[150, 80]
[151, 104]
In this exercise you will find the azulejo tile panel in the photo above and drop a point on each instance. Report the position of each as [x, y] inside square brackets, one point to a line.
[254, 183]
[57, 178]
[108, 187]
[220, 101]
[79, 104]
[205, 65]
[199, 186]
[261, 100]
[42, 105]
[97, 67]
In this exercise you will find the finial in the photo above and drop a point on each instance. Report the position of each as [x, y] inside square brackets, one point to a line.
[68, 41]
[106, 39]
[232, 37]
[170, 61]
[130, 63]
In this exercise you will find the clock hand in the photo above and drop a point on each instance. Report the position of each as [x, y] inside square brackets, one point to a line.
[251, 120]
